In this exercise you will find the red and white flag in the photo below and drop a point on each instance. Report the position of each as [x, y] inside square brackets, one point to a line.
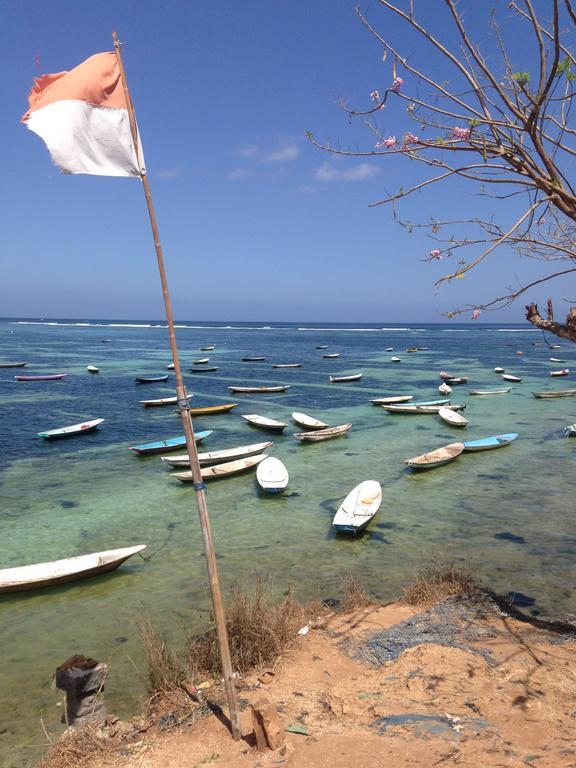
[82, 116]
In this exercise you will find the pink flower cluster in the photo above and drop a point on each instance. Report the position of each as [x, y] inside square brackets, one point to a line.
[409, 138]
[476, 314]
[375, 96]
[462, 134]
[397, 84]
[435, 254]
[388, 143]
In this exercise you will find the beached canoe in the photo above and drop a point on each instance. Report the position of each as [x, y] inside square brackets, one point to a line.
[172, 444]
[563, 372]
[74, 429]
[211, 410]
[47, 574]
[151, 379]
[209, 348]
[552, 360]
[204, 369]
[342, 379]
[545, 395]
[159, 402]
[498, 369]
[222, 470]
[218, 457]
[510, 377]
[392, 399]
[14, 365]
[436, 458]
[308, 422]
[444, 389]
[272, 475]
[501, 391]
[489, 443]
[42, 377]
[287, 365]
[395, 360]
[452, 418]
[323, 434]
[202, 361]
[264, 423]
[331, 355]
[248, 390]
[253, 359]
[359, 507]
[92, 369]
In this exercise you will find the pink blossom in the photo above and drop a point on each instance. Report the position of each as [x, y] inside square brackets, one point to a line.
[397, 84]
[462, 134]
[411, 107]
[435, 254]
[390, 142]
[375, 96]
[409, 138]
[476, 314]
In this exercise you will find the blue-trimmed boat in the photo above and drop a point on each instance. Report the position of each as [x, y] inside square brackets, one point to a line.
[172, 444]
[489, 443]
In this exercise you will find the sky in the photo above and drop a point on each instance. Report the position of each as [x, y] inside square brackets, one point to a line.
[255, 222]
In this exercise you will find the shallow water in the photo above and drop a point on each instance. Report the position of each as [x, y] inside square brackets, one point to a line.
[507, 514]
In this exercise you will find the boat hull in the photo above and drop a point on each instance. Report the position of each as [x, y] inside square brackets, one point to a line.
[48, 377]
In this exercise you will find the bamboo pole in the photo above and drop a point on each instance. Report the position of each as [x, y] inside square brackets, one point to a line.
[184, 408]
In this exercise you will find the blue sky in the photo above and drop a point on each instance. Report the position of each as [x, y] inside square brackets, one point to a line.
[256, 223]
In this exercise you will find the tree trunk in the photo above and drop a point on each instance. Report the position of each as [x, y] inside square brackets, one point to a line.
[565, 330]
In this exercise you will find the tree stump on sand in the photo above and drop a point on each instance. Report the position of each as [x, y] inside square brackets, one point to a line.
[266, 724]
[83, 681]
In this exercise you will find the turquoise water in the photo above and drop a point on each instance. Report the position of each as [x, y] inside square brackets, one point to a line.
[91, 493]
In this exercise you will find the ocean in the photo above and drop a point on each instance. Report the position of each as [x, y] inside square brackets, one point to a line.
[506, 514]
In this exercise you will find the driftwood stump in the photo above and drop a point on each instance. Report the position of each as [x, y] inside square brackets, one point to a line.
[83, 681]
[267, 729]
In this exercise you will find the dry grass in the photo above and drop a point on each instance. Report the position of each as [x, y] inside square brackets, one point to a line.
[165, 669]
[437, 581]
[77, 748]
[355, 596]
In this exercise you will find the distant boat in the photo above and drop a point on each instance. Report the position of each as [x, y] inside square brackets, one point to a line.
[555, 393]
[444, 389]
[436, 458]
[519, 352]
[456, 380]
[489, 443]
[204, 369]
[323, 434]
[105, 341]
[151, 379]
[395, 360]
[207, 349]
[555, 346]
[170, 366]
[322, 346]
[501, 391]
[563, 372]
[412, 349]
[14, 365]
[389, 349]
[212, 410]
[218, 457]
[331, 355]
[552, 360]
[509, 377]
[445, 375]
[415, 408]
[452, 418]
[264, 423]
[74, 429]
[159, 402]
[92, 369]
[253, 359]
[42, 377]
[341, 379]
[498, 370]
[570, 430]
[202, 361]
[48, 574]
[172, 444]
[359, 507]
[272, 475]
[246, 390]
[222, 470]
[391, 399]
[308, 422]
[287, 365]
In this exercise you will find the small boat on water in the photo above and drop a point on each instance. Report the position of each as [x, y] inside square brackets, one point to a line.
[395, 360]
[359, 507]
[392, 399]
[170, 366]
[151, 379]
[416, 408]
[456, 380]
[552, 360]
[412, 349]
[172, 444]
[253, 359]
[341, 379]
[74, 429]
[92, 369]
[272, 475]
[570, 430]
[211, 410]
[202, 361]
[501, 391]
[389, 349]
[452, 418]
[287, 365]
[444, 389]
[48, 574]
[323, 434]
[222, 470]
[209, 348]
[510, 377]
[555, 346]
[264, 423]
[519, 352]
[445, 375]
[331, 355]
[308, 422]
[42, 377]
[489, 443]
[105, 341]
[218, 457]
[204, 369]
[247, 390]
[14, 365]
[545, 395]
[498, 369]
[436, 458]
[563, 372]
[159, 402]
[322, 346]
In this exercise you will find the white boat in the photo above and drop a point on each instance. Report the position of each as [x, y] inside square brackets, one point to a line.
[323, 434]
[92, 369]
[509, 377]
[222, 470]
[392, 399]
[359, 507]
[389, 349]
[489, 443]
[308, 422]
[456, 380]
[554, 393]
[519, 352]
[287, 365]
[47, 574]
[570, 430]
[341, 379]
[417, 408]
[272, 475]
[498, 369]
[452, 418]
[159, 402]
[209, 348]
[445, 375]
[501, 391]
[436, 458]
[331, 355]
[556, 360]
[246, 390]
[264, 423]
[563, 372]
[444, 389]
[74, 429]
[208, 458]
[170, 366]
[395, 360]
[555, 346]
[202, 361]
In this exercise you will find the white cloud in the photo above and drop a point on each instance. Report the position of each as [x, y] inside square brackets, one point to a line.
[239, 173]
[283, 154]
[249, 151]
[360, 172]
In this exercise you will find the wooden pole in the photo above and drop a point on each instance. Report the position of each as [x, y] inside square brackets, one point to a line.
[184, 408]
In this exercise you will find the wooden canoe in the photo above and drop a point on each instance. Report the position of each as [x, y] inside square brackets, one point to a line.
[202, 361]
[489, 443]
[436, 458]
[218, 457]
[92, 369]
[253, 359]
[248, 390]
[322, 346]
[343, 379]
[308, 422]
[510, 377]
[395, 360]
[14, 365]
[209, 348]
[287, 365]
[452, 418]
[331, 355]
[172, 444]
[389, 349]
[563, 372]
[391, 399]
[264, 423]
[552, 360]
[151, 379]
[47, 574]
[211, 410]
[159, 402]
[170, 366]
[499, 369]
[222, 470]
[570, 430]
[456, 380]
[42, 377]
[74, 429]
[501, 391]
[323, 434]
[445, 389]
[554, 393]
[359, 507]
[412, 408]
[204, 369]
[272, 475]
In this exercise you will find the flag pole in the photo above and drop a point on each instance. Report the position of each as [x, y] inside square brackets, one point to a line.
[184, 409]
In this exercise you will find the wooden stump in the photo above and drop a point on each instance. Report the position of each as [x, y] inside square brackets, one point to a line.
[267, 729]
[83, 681]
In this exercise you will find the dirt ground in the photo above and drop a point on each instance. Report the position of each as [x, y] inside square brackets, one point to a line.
[388, 687]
